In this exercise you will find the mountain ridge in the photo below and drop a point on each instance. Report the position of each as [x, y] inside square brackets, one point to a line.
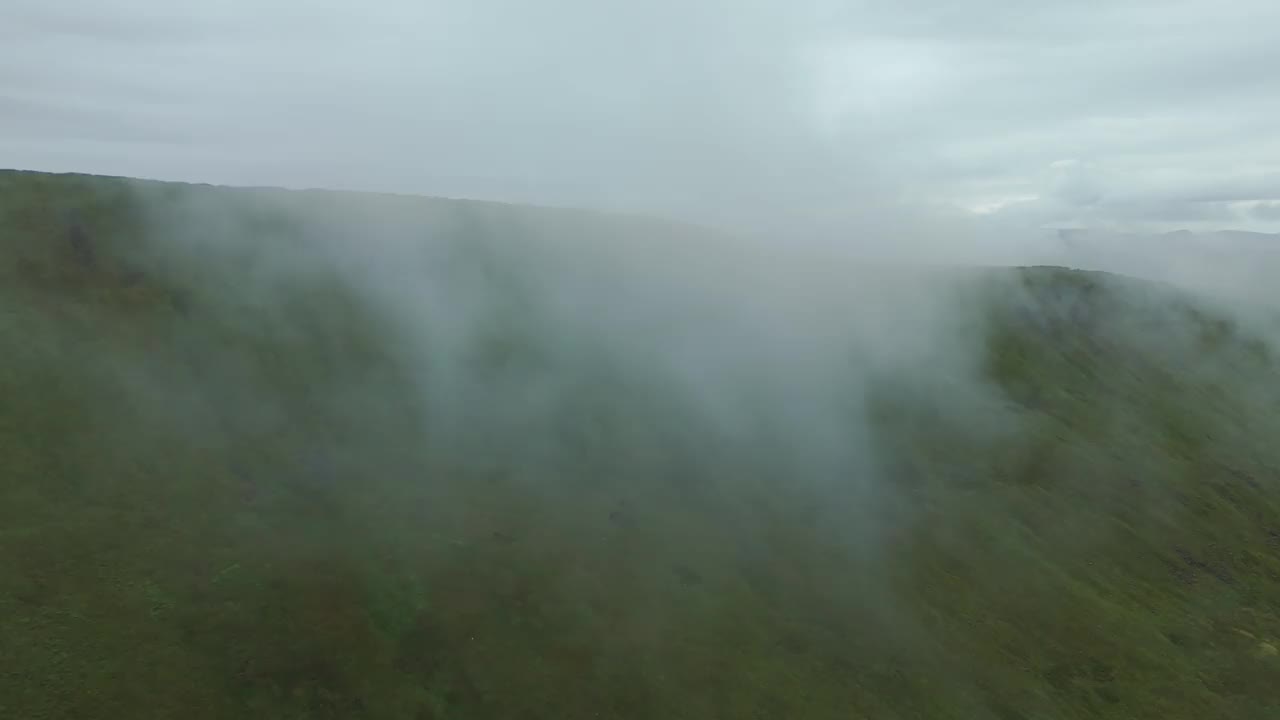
[516, 468]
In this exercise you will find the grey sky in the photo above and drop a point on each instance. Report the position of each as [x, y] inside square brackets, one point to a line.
[778, 114]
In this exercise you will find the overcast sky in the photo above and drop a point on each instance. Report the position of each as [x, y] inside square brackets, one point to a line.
[1133, 113]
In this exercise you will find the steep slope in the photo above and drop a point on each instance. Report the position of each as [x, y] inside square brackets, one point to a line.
[260, 456]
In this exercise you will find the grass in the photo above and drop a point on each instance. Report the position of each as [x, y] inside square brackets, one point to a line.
[210, 507]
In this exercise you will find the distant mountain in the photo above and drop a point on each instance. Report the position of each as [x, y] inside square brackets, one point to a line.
[1233, 264]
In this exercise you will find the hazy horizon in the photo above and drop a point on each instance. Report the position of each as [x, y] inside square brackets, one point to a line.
[816, 118]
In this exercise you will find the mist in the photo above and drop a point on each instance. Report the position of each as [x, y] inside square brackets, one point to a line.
[510, 324]
[483, 434]
[712, 359]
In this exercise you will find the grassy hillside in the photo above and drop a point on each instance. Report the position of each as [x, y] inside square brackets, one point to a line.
[234, 483]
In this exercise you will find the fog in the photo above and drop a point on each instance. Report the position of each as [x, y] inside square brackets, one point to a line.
[894, 132]
[669, 359]
[503, 317]
[544, 344]
[649, 393]
[716, 350]
[831, 176]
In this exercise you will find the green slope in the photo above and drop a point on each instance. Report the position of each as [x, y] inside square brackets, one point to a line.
[231, 486]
